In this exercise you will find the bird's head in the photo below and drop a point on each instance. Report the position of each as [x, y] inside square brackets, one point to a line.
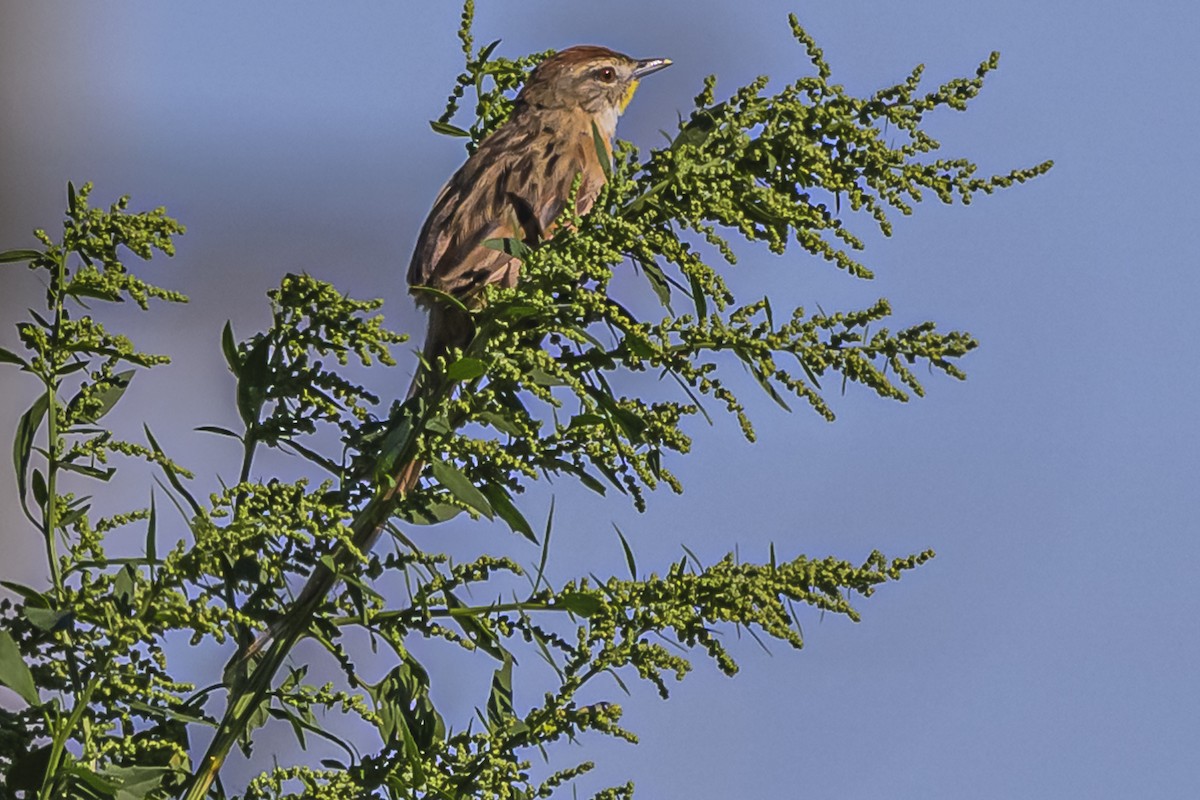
[594, 79]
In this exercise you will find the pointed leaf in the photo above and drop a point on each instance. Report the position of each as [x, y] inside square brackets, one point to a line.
[30, 596]
[135, 782]
[486, 52]
[658, 282]
[765, 383]
[219, 431]
[92, 472]
[152, 536]
[329, 465]
[9, 357]
[699, 128]
[545, 547]
[602, 153]
[513, 247]
[447, 129]
[252, 380]
[500, 699]
[14, 673]
[27, 428]
[47, 619]
[171, 474]
[502, 504]
[629, 560]
[476, 628]
[466, 369]
[229, 349]
[17, 256]
[583, 604]
[500, 422]
[109, 396]
[459, 485]
[699, 298]
[431, 514]
[40, 492]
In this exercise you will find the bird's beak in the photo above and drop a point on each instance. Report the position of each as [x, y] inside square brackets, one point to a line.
[648, 66]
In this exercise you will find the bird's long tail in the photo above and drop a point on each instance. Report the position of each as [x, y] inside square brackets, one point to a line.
[323, 579]
[447, 328]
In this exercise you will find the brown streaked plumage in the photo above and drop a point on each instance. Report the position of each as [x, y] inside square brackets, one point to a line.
[514, 186]
[519, 179]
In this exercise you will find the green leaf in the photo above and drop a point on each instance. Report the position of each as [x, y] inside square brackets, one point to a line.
[135, 783]
[152, 536]
[765, 383]
[502, 504]
[629, 560]
[500, 422]
[541, 570]
[394, 444]
[447, 129]
[94, 782]
[580, 603]
[466, 369]
[329, 465]
[698, 298]
[252, 380]
[695, 558]
[602, 153]
[444, 297]
[630, 423]
[27, 428]
[431, 514]
[229, 349]
[123, 585]
[219, 431]
[486, 52]
[171, 713]
[172, 475]
[14, 673]
[500, 699]
[40, 492]
[9, 357]
[92, 472]
[404, 708]
[476, 627]
[110, 395]
[17, 256]
[513, 247]
[79, 289]
[30, 596]
[47, 619]
[585, 477]
[459, 485]
[658, 282]
[699, 128]
[543, 378]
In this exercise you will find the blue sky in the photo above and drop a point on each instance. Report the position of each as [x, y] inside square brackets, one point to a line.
[1049, 651]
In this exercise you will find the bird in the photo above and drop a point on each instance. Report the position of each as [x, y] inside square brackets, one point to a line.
[519, 181]
[514, 186]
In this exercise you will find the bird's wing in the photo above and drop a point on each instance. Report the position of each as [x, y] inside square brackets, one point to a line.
[510, 188]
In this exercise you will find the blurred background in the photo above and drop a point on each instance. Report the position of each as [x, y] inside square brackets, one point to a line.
[1050, 650]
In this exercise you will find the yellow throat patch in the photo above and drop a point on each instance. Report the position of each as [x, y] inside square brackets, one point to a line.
[628, 95]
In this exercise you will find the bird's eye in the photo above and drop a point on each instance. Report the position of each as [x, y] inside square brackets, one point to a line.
[606, 74]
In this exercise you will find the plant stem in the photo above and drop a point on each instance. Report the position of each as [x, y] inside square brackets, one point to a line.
[50, 511]
[244, 701]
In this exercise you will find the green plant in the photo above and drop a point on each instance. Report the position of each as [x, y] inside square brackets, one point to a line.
[533, 394]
